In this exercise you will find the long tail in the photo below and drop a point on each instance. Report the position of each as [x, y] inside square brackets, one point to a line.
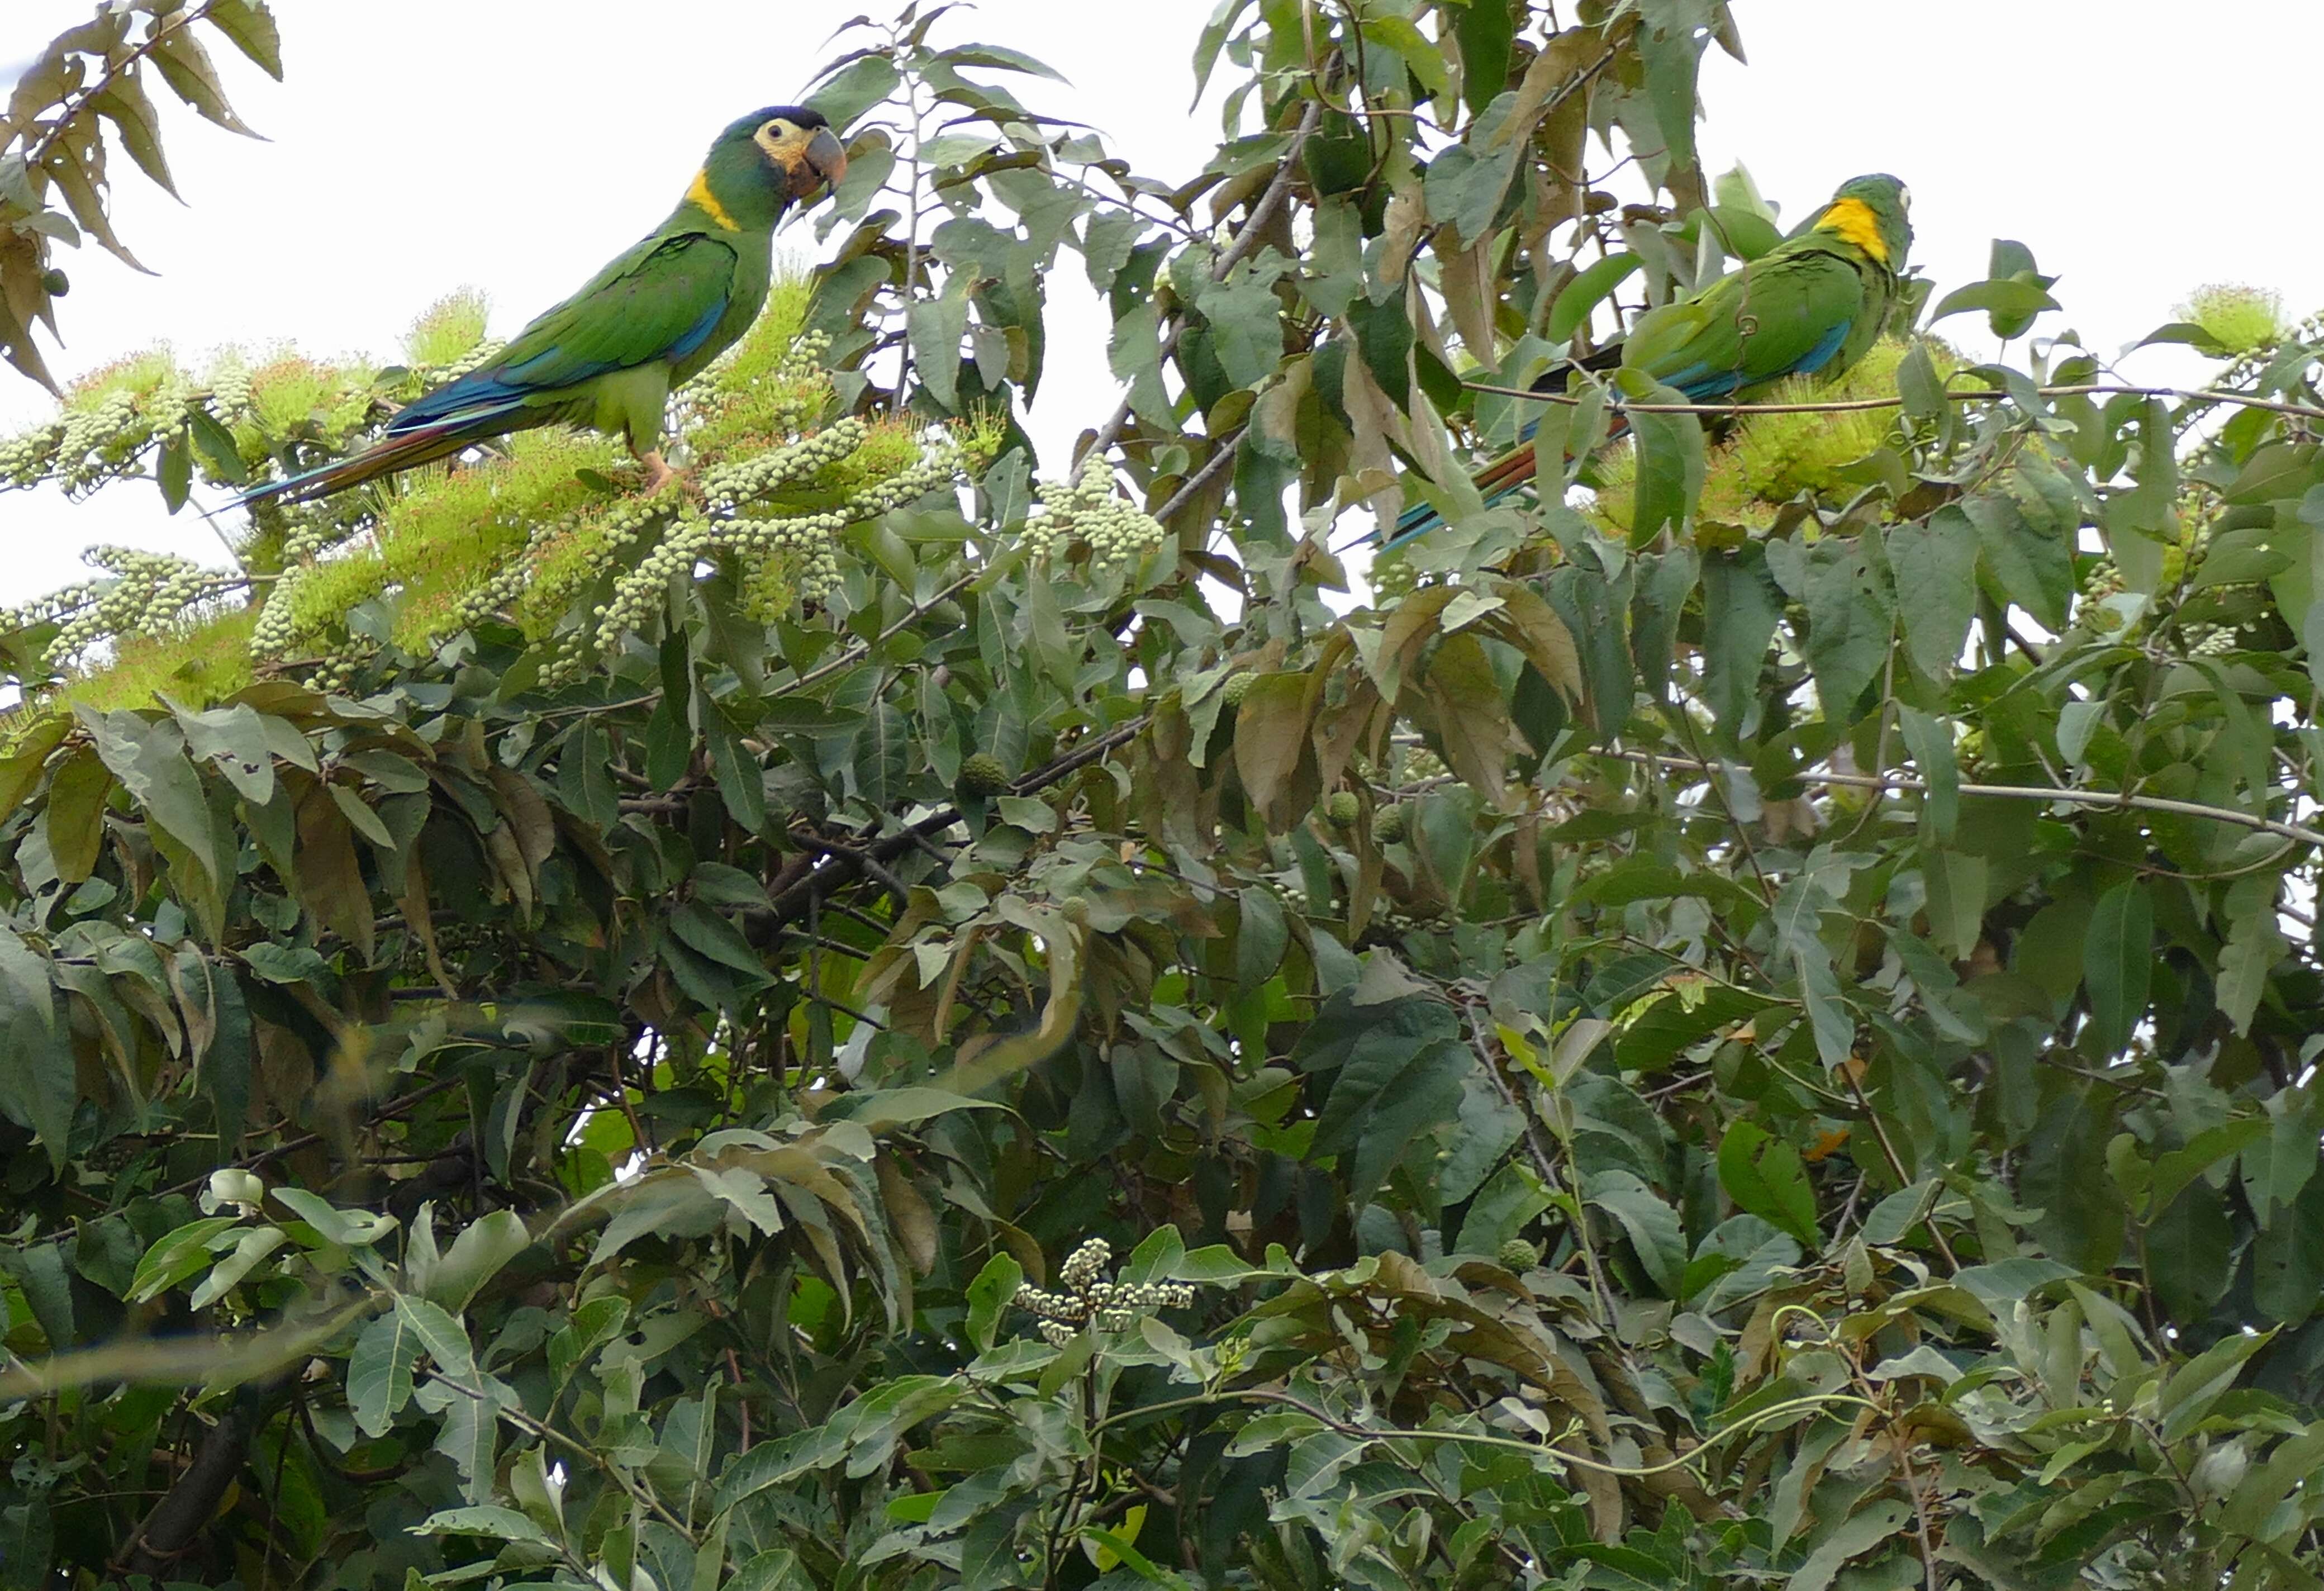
[414, 437]
[1513, 469]
[1496, 481]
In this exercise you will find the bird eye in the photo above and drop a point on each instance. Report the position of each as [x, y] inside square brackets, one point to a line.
[1904, 196]
[776, 127]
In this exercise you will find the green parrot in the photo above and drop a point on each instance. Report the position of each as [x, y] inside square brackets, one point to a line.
[1810, 306]
[609, 356]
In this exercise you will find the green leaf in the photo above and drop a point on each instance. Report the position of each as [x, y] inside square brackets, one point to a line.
[1935, 564]
[2254, 947]
[988, 1295]
[177, 1256]
[2033, 566]
[379, 1374]
[1393, 1086]
[1585, 292]
[1648, 1220]
[347, 1228]
[493, 1523]
[2118, 964]
[443, 1339]
[584, 788]
[935, 328]
[1740, 607]
[856, 88]
[484, 1247]
[39, 1086]
[1763, 1175]
[1671, 460]
[2195, 1387]
[1273, 753]
[1672, 58]
[1931, 742]
[742, 781]
[1384, 337]
[174, 472]
[1860, 1532]
[250, 26]
[700, 928]
[2005, 302]
[1260, 938]
[1486, 30]
[2288, 1258]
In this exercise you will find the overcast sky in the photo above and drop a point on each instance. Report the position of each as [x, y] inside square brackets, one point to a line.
[2140, 148]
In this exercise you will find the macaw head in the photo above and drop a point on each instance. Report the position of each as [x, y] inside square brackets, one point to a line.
[765, 160]
[1873, 212]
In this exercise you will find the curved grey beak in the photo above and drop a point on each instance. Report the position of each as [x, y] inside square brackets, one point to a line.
[826, 159]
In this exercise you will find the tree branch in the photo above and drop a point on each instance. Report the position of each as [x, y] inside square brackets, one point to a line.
[2022, 792]
[1854, 406]
[1246, 239]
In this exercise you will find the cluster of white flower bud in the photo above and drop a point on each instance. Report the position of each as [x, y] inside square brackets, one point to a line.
[309, 529]
[802, 361]
[1088, 1299]
[1089, 510]
[639, 592]
[2208, 639]
[1393, 577]
[142, 592]
[25, 457]
[475, 359]
[276, 631]
[97, 435]
[230, 392]
[730, 486]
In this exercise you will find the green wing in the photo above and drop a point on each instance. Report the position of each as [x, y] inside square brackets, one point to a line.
[659, 301]
[1793, 311]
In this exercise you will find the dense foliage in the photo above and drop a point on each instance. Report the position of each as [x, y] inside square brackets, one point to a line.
[877, 1020]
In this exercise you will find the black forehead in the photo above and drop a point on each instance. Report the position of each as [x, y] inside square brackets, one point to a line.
[798, 116]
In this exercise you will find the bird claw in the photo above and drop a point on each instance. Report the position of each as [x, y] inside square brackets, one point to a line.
[659, 475]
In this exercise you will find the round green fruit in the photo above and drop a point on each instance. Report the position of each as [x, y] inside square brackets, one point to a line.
[983, 776]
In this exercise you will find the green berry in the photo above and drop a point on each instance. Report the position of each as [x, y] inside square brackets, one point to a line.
[1388, 825]
[983, 776]
[1518, 1255]
[1342, 808]
[1238, 685]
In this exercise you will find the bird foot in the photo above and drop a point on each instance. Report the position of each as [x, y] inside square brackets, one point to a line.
[659, 474]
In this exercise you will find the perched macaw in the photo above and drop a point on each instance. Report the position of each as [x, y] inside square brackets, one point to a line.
[608, 356]
[1810, 306]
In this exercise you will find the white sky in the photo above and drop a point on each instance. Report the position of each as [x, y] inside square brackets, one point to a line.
[2140, 148]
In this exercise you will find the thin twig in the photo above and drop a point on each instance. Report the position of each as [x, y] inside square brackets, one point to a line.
[1888, 783]
[1245, 239]
[1229, 446]
[857, 650]
[1854, 406]
[68, 113]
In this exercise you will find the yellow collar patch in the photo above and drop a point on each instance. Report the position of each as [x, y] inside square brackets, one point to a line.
[1853, 220]
[701, 195]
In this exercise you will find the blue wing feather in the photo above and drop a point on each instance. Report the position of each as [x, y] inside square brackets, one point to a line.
[1820, 355]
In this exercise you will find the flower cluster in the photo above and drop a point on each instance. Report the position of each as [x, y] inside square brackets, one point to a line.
[730, 486]
[2239, 319]
[140, 593]
[1088, 510]
[1088, 1299]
